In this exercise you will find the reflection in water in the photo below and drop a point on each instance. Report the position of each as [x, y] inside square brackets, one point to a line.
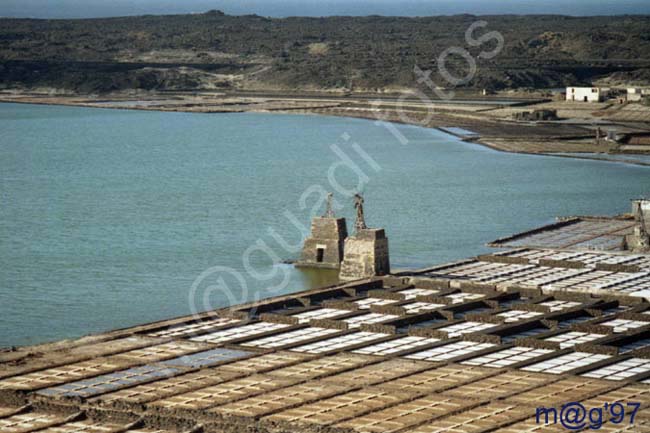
[314, 278]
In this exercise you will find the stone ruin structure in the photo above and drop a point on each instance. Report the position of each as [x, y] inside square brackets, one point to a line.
[366, 252]
[639, 240]
[362, 255]
[324, 247]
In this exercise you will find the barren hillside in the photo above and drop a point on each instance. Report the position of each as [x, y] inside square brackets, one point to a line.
[213, 50]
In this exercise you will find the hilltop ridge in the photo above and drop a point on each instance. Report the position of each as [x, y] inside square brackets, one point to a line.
[217, 51]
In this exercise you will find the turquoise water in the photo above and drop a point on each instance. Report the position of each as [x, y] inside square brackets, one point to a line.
[107, 217]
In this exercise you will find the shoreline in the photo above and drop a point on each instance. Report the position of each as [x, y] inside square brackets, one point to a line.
[488, 145]
[329, 109]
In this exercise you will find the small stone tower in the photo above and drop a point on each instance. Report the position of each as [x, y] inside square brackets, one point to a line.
[639, 240]
[366, 253]
[324, 247]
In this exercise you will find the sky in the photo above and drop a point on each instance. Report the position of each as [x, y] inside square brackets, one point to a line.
[283, 8]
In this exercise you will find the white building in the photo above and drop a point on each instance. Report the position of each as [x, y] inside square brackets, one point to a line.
[585, 94]
[635, 94]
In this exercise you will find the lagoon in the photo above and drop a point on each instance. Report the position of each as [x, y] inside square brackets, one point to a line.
[110, 218]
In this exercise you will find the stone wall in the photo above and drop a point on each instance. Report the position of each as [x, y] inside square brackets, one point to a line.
[366, 255]
[324, 247]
